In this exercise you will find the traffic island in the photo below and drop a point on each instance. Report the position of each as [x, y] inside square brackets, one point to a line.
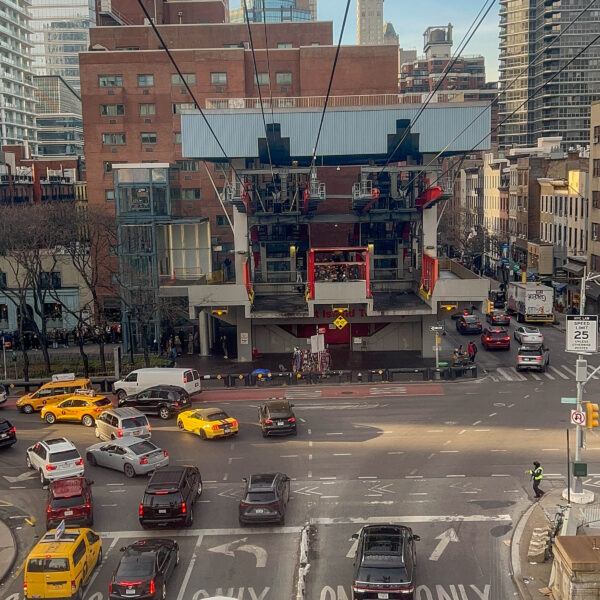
[8, 550]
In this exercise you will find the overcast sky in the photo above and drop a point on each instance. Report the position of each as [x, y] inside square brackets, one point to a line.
[410, 21]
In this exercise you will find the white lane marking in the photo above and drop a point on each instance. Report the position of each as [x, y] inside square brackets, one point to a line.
[302, 420]
[498, 450]
[550, 449]
[367, 477]
[536, 376]
[309, 431]
[500, 475]
[435, 430]
[555, 370]
[328, 497]
[461, 432]
[342, 454]
[327, 477]
[455, 475]
[108, 505]
[336, 433]
[476, 423]
[532, 429]
[399, 452]
[493, 378]
[492, 414]
[226, 477]
[388, 519]
[480, 430]
[309, 474]
[117, 491]
[310, 457]
[413, 477]
[206, 481]
[447, 442]
[431, 456]
[310, 444]
[549, 376]
[448, 451]
[506, 375]
[115, 484]
[288, 456]
[568, 370]
[387, 432]
[418, 493]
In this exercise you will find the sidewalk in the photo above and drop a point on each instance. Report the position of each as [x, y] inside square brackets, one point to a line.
[8, 550]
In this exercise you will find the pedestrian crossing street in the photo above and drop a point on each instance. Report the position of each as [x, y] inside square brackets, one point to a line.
[552, 373]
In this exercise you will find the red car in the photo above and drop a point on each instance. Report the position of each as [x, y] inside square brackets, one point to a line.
[70, 499]
[494, 338]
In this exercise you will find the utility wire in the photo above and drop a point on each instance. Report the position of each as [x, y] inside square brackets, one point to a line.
[187, 87]
[262, 108]
[466, 39]
[268, 60]
[501, 92]
[337, 53]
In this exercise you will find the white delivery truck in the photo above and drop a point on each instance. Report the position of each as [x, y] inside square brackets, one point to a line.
[531, 302]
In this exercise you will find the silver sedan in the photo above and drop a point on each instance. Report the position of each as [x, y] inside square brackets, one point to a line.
[528, 335]
[130, 455]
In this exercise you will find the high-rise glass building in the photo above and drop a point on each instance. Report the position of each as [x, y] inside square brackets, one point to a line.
[17, 101]
[275, 11]
[61, 32]
[534, 46]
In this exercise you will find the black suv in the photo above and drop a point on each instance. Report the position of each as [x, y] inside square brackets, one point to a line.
[144, 569]
[8, 434]
[264, 499]
[170, 497]
[162, 400]
[276, 417]
[468, 324]
[385, 563]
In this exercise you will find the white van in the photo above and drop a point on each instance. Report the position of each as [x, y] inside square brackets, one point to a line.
[141, 379]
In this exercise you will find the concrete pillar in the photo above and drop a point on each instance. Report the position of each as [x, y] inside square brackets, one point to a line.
[211, 331]
[244, 336]
[240, 243]
[428, 336]
[203, 333]
[430, 231]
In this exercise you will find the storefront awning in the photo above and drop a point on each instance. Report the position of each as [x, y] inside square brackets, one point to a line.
[574, 269]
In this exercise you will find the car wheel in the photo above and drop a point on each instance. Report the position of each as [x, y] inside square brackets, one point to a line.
[99, 559]
[50, 418]
[28, 461]
[177, 557]
[295, 432]
[28, 409]
[121, 395]
[164, 413]
[180, 424]
[129, 470]
[78, 595]
[543, 369]
[112, 436]
[199, 490]
[201, 433]
[87, 420]
[43, 479]
[91, 459]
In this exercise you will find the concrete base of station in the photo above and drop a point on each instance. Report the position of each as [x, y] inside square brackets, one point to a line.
[585, 497]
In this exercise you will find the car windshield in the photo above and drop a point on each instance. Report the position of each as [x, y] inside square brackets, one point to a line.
[470, 319]
[217, 416]
[64, 455]
[497, 334]
[260, 497]
[531, 331]
[383, 573]
[143, 447]
[140, 421]
[103, 402]
[67, 502]
[136, 564]
[529, 352]
[43, 565]
[160, 498]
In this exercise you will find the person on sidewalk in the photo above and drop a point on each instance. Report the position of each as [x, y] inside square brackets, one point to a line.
[472, 350]
[537, 474]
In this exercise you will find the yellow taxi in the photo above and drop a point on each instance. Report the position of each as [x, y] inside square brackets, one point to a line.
[83, 406]
[208, 423]
[61, 563]
[52, 392]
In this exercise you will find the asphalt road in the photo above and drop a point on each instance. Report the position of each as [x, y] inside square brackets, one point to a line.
[449, 464]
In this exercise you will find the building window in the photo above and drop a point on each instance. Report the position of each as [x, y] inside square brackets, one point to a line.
[147, 109]
[148, 138]
[594, 262]
[190, 194]
[596, 167]
[261, 79]
[283, 78]
[109, 195]
[222, 221]
[218, 78]
[596, 133]
[595, 232]
[282, 45]
[113, 139]
[188, 165]
[179, 107]
[189, 78]
[595, 199]
[107, 167]
[112, 110]
[110, 81]
[177, 137]
[145, 80]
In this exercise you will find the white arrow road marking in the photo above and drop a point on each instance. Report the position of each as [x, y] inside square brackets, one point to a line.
[382, 489]
[21, 477]
[306, 491]
[260, 554]
[445, 538]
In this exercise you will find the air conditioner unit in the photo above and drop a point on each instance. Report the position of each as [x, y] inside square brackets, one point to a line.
[146, 92]
[147, 120]
[596, 140]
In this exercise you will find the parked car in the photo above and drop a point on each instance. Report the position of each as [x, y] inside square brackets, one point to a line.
[468, 324]
[116, 423]
[493, 338]
[208, 423]
[130, 455]
[170, 496]
[162, 400]
[533, 356]
[264, 499]
[276, 417]
[70, 500]
[498, 317]
[144, 570]
[385, 562]
[141, 379]
[82, 407]
[8, 433]
[526, 334]
[56, 458]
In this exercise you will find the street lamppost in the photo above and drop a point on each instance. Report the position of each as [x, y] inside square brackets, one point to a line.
[130, 337]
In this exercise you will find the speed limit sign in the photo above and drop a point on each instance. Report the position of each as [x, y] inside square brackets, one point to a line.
[582, 333]
[578, 417]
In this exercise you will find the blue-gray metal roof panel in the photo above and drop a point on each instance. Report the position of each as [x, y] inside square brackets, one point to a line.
[362, 131]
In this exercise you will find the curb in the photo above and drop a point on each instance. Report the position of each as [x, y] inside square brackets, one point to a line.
[304, 566]
[11, 561]
[515, 550]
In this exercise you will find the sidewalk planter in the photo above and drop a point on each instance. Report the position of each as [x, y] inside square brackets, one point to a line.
[576, 567]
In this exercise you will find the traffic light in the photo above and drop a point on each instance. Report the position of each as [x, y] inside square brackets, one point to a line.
[218, 312]
[490, 307]
[448, 307]
[591, 415]
[340, 310]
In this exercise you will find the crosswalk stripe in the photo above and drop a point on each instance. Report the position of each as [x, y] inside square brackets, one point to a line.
[506, 376]
[549, 376]
[568, 370]
[536, 376]
[555, 370]
[517, 374]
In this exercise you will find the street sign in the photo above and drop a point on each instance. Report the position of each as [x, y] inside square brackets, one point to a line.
[436, 328]
[568, 400]
[580, 469]
[340, 322]
[582, 333]
[578, 417]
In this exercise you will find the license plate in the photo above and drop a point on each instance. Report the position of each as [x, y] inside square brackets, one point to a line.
[3, 435]
[279, 423]
[162, 511]
[68, 513]
[259, 511]
[136, 433]
[197, 384]
[132, 593]
[383, 596]
[226, 429]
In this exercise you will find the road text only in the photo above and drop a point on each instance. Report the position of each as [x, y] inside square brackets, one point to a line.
[422, 592]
